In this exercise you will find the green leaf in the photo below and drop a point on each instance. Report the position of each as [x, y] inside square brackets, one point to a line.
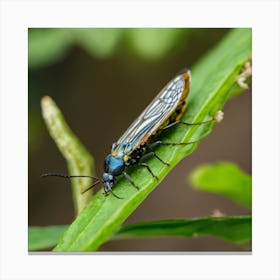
[237, 229]
[154, 43]
[40, 238]
[212, 79]
[78, 159]
[47, 45]
[100, 42]
[225, 179]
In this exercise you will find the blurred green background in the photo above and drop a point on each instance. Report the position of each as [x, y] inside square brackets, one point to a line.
[102, 79]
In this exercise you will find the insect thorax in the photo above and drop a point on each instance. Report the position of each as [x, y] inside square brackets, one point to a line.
[114, 165]
[136, 154]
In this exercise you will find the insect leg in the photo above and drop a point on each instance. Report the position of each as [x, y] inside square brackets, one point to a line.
[150, 154]
[130, 180]
[148, 168]
[185, 123]
[175, 144]
[218, 117]
[157, 143]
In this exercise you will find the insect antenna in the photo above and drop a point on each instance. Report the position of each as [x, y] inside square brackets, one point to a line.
[92, 186]
[68, 176]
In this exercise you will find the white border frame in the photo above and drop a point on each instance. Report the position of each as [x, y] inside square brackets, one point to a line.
[17, 16]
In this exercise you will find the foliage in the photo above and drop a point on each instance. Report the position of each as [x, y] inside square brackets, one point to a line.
[212, 79]
[78, 159]
[40, 238]
[226, 179]
[50, 45]
[236, 229]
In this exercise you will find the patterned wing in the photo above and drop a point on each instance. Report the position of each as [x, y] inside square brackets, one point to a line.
[160, 109]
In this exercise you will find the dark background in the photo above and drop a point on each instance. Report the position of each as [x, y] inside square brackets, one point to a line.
[100, 95]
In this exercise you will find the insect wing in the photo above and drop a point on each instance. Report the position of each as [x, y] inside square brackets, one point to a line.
[156, 114]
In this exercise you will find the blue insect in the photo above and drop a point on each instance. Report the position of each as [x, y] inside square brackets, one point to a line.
[141, 138]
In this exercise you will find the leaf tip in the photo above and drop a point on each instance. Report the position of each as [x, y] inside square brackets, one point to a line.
[49, 108]
[46, 100]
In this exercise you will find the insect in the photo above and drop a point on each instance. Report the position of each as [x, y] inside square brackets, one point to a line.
[140, 139]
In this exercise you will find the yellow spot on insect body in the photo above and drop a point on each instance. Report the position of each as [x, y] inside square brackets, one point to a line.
[125, 158]
[114, 153]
